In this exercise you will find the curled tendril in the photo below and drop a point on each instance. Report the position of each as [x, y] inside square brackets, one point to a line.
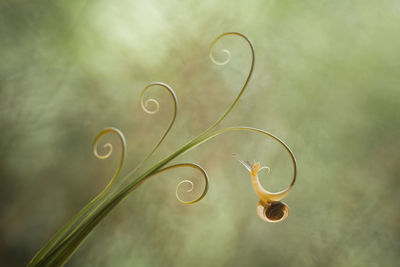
[225, 62]
[280, 194]
[148, 101]
[219, 63]
[110, 150]
[189, 190]
[191, 165]
[175, 100]
[145, 104]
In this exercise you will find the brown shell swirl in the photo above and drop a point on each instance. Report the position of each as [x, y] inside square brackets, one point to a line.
[272, 211]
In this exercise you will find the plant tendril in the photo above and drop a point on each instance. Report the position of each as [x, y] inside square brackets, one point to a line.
[191, 165]
[148, 101]
[282, 193]
[220, 63]
[175, 100]
[225, 62]
[183, 182]
[110, 147]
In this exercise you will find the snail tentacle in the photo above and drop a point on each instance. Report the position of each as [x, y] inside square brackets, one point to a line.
[245, 164]
[265, 168]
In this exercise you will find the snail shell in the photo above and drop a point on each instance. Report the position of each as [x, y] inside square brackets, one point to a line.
[273, 212]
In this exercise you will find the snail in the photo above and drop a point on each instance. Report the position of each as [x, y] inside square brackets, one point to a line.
[270, 208]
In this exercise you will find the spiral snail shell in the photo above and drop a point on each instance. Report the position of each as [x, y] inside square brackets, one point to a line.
[272, 211]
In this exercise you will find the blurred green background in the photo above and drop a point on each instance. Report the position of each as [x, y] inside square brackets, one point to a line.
[326, 81]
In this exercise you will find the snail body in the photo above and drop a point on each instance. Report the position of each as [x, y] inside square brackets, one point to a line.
[270, 208]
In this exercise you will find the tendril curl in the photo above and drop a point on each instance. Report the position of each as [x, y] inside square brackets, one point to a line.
[280, 194]
[110, 150]
[181, 183]
[145, 104]
[171, 123]
[194, 166]
[216, 62]
[249, 75]
[148, 101]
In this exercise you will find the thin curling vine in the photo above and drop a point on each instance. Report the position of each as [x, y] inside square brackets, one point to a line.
[270, 208]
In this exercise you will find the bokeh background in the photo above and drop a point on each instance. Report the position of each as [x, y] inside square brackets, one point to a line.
[326, 81]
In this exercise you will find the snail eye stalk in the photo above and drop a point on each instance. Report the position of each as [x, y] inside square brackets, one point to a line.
[247, 165]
